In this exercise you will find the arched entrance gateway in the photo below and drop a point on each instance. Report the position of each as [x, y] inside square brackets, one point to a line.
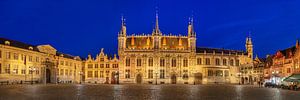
[48, 76]
[139, 78]
[173, 79]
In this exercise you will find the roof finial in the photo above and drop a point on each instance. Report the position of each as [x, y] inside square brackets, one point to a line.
[156, 20]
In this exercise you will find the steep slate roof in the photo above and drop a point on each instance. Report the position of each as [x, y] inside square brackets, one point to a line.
[18, 44]
[288, 51]
[218, 50]
[26, 46]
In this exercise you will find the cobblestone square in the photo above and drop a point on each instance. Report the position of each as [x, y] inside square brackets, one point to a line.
[143, 92]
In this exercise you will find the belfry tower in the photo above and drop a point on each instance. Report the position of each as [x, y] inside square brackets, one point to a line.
[249, 47]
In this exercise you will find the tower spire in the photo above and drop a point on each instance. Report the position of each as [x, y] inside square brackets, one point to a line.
[156, 31]
[191, 31]
[123, 27]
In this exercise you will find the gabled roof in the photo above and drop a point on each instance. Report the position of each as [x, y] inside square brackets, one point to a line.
[289, 52]
[18, 44]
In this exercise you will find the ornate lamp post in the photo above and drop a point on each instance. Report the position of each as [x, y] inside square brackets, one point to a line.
[156, 77]
[32, 69]
[80, 76]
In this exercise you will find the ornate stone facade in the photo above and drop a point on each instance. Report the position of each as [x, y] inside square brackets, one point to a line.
[102, 69]
[160, 58]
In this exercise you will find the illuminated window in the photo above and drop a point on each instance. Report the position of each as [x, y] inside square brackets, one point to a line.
[0, 54]
[217, 61]
[66, 72]
[237, 62]
[224, 62]
[107, 65]
[210, 73]
[61, 72]
[127, 62]
[207, 61]
[7, 55]
[90, 65]
[138, 62]
[7, 69]
[162, 73]
[101, 59]
[16, 56]
[96, 65]
[90, 74]
[96, 74]
[150, 62]
[127, 73]
[185, 62]
[30, 58]
[101, 65]
[101, 74]
[150, 74]
[173, 62]
[199, 61]
[231, 62]
[219, 73]
[162, 62]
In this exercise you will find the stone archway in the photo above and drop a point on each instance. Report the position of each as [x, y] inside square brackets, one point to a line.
[48, 76]
[139, 78]
[173, 79]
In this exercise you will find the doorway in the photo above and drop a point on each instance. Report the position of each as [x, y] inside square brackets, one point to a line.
[139, 78]
[48, 76]
[173, 79]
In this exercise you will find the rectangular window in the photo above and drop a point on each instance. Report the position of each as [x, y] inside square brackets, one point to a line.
[101, 74]
[90, 65]
[224, 62]
[101, 59]
[61, 72]
[210, 73]
[96, 65]
[96, 74]
[0, 54]
[101, 65]
[217, 61]
[162, 62]
[150, 74]
[37, 71]
[173, 64]
[207, 61]
[66, 72]
[127, 73]
[115, 65]
[90, 74]
[37, 59]
[162, 73]
[7, 55]
[16, 56]
[237, 63]
[107, 65]
[185, 63]
[127, 62]
[199, 61]
[226, 73]
[7, 69]
[23, 71]
[288, 70]
[61, 62]
[30, 58]
[219, 73]
[139, 62]
[150, 62]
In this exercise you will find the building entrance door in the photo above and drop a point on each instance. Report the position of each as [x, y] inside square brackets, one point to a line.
[139, 78]
[198, 78]
[48, 76]
[173, 79]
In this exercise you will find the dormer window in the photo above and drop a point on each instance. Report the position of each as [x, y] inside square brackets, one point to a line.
[7, 43]
[30, 48]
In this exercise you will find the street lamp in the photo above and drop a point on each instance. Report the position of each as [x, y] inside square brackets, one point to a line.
[239, 75]
[32, 69]
[80, 76]
[156, 77]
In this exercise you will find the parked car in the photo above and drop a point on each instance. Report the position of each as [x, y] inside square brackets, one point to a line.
[270, 84]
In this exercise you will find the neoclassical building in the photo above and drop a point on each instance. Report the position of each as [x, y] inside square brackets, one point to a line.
[159, 58]
[21, 62]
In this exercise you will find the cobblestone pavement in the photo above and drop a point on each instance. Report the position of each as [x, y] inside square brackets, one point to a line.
[143, 92]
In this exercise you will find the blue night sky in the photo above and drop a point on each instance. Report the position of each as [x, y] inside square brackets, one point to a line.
[80, 27]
